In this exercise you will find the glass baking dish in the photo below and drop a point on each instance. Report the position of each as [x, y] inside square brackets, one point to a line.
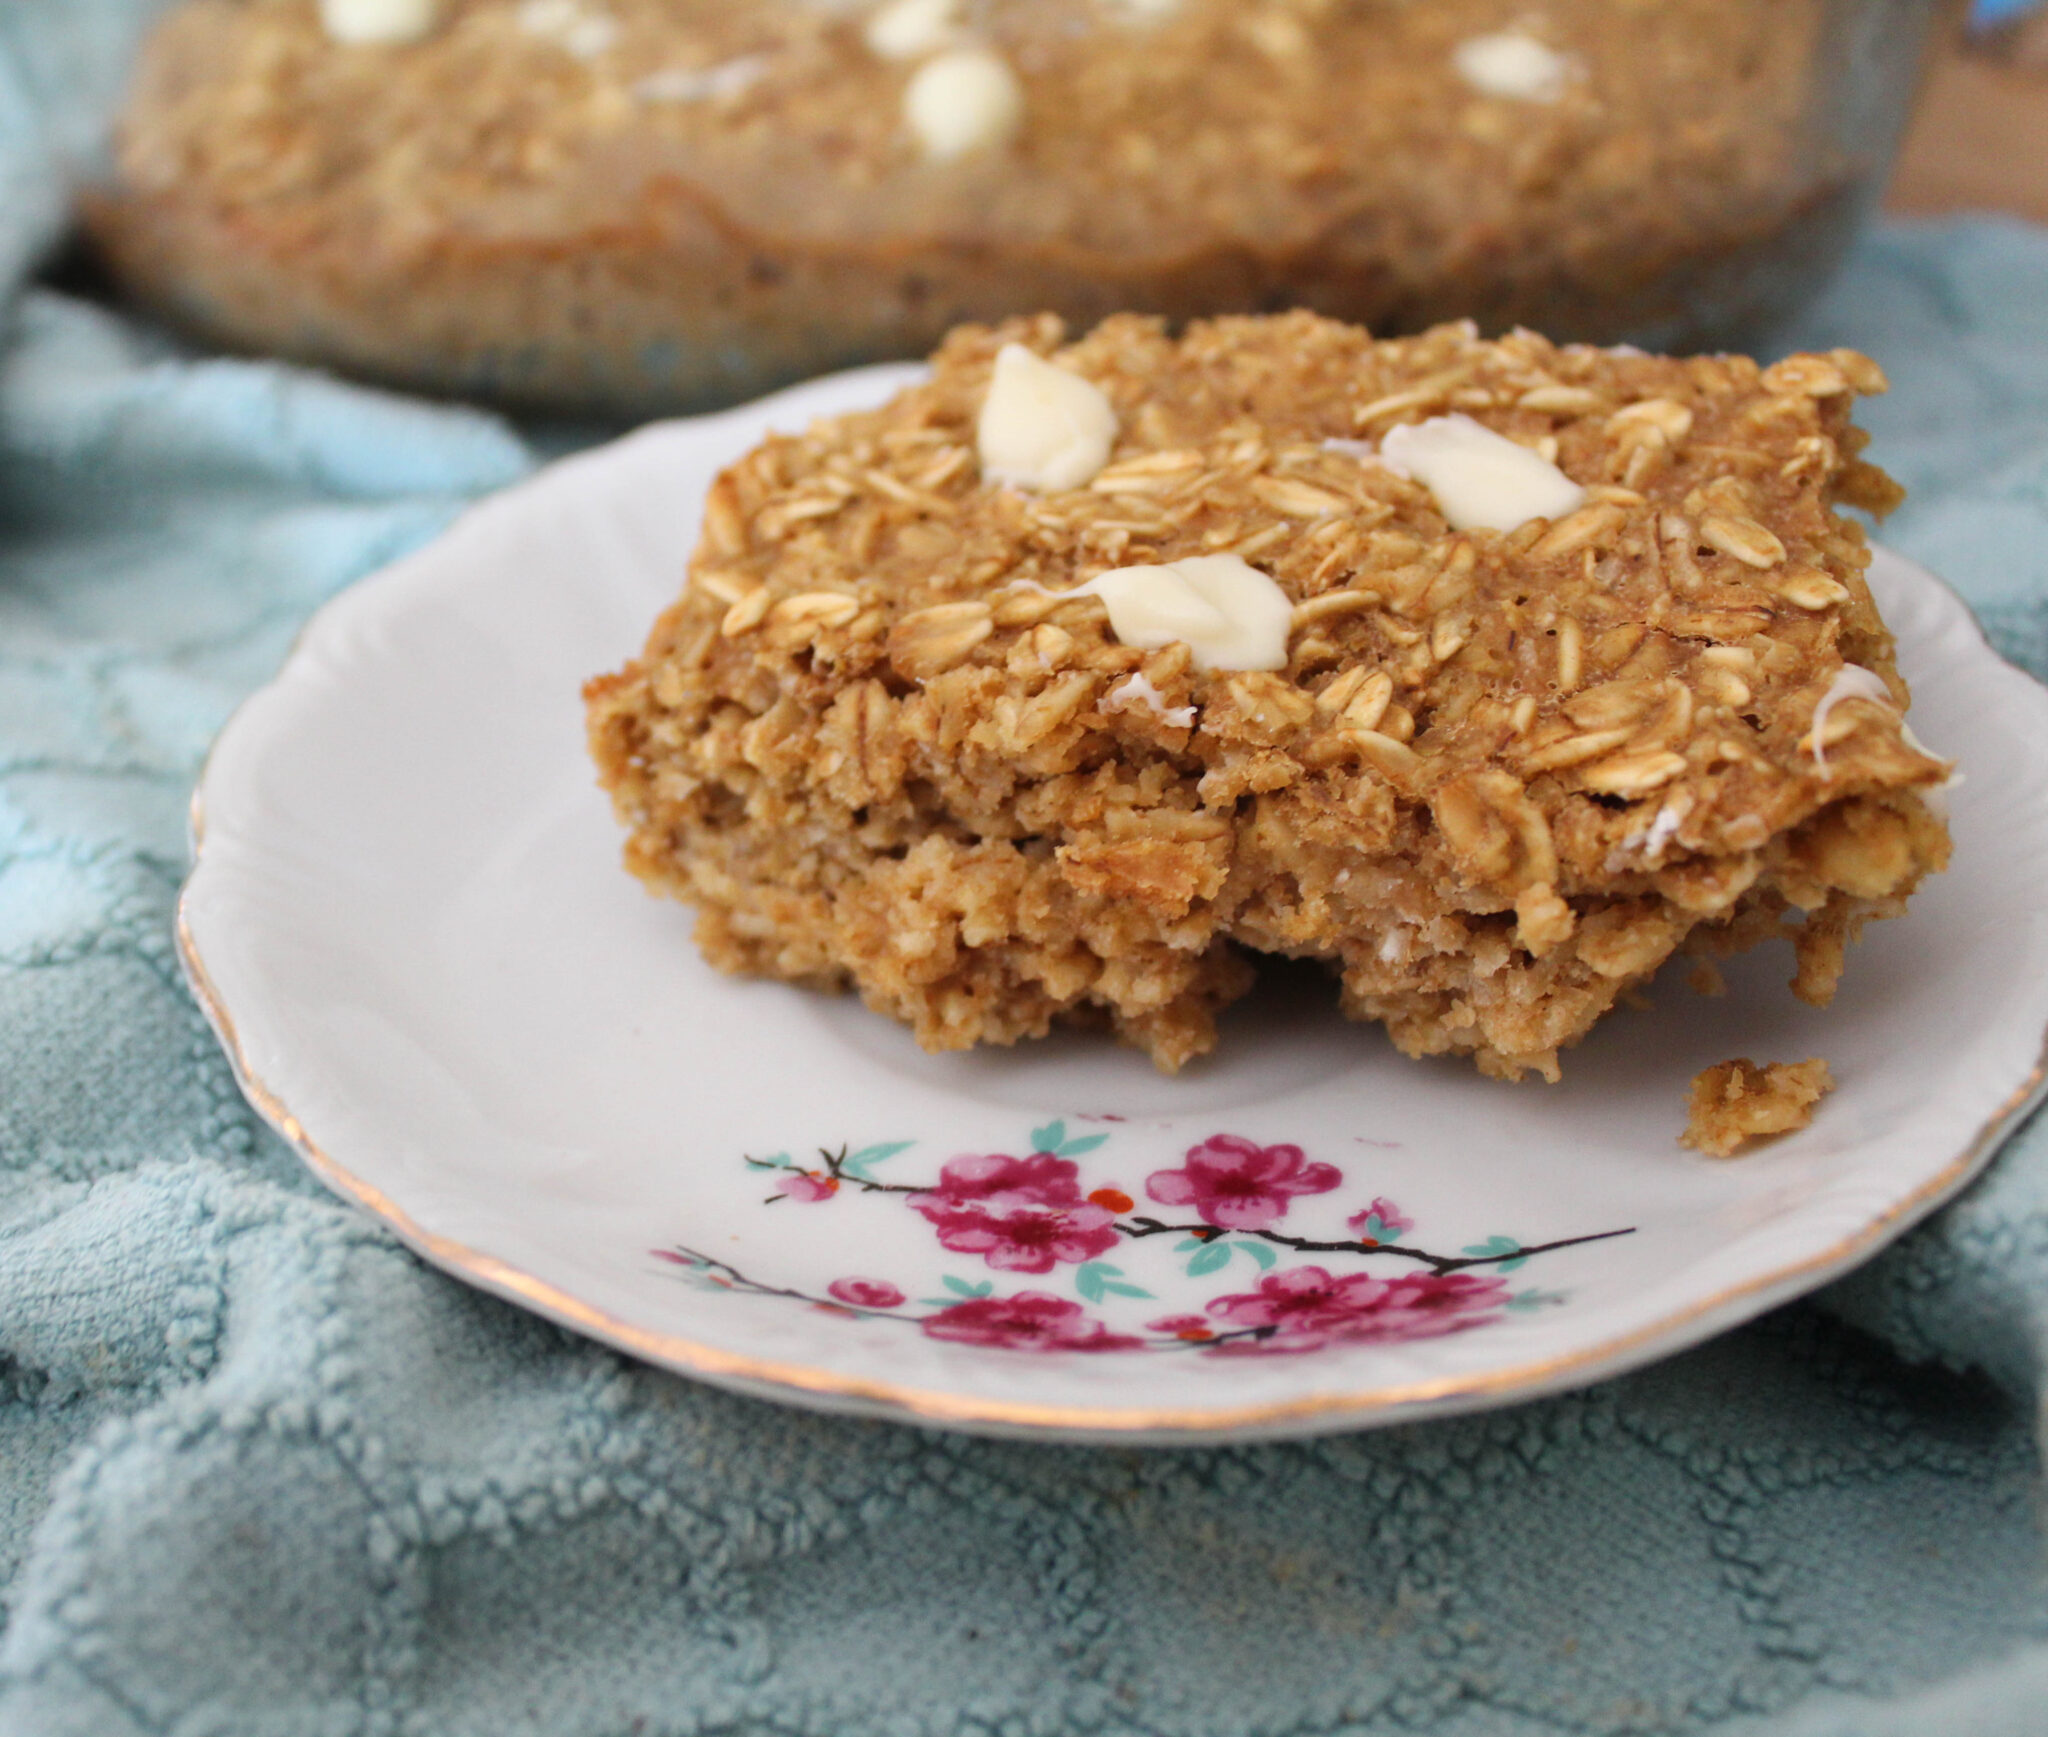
[642, 206]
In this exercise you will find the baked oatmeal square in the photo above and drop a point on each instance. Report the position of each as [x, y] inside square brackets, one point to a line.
[1489, 673]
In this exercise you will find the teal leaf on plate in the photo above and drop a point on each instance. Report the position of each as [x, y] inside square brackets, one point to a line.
[961, 1288]
[858, 1165]
[1049, 1137]
[1097, 1279]
[1213, 1255]
[1259, 1252]
[1086, 1143]
[1495, 1246]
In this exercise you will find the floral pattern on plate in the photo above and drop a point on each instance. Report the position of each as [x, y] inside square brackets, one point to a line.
[1228, 1196]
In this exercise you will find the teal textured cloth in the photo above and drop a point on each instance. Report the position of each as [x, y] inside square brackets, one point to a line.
[261, 1471]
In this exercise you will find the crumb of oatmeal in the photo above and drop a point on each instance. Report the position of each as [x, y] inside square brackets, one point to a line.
[1735, 1102]
[1705, 979]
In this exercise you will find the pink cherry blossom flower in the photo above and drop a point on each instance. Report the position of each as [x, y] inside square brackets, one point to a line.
[1307, 1309]
[807, 1185]
[866, 1293]
[1019, 1214]
[1039, 1180]
[1391, 1222]
[1029, 1321]
[1237, 1184]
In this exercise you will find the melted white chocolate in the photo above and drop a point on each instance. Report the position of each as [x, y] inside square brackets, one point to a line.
[1508, 64]
[962, 101]
[1042, 427]
[1229, 614]
[906, 29]
[1481, 480]
[370, 21]
[1936, 796]
[1854, 682]
[1136, 689]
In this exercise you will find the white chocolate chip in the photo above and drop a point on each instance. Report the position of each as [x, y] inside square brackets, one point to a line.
[1509, 64]
[1136, 689]
[964, 100]
[363, 21]
[1042, 427]
[1481, 480]
[1230, 615]
[908, 29]
[1663, 829]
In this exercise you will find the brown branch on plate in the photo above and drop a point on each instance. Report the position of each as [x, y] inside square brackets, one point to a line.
[1142, 1226]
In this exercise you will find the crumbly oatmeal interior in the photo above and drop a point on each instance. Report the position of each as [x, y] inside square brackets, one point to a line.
[1736, 1102]
[1502, 778]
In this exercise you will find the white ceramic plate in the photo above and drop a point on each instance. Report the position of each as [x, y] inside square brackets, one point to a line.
[410, 926]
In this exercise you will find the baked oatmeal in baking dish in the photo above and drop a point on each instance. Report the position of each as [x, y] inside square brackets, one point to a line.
[640, 206]
[1490, 673]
